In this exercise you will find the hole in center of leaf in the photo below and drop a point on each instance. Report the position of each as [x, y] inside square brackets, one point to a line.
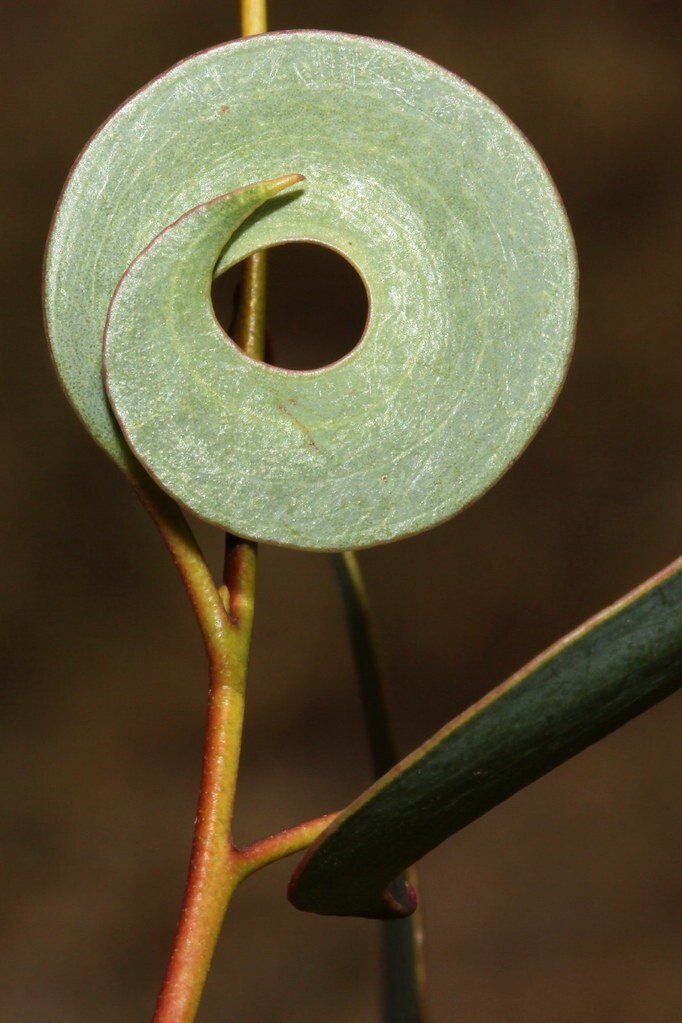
[316, 305]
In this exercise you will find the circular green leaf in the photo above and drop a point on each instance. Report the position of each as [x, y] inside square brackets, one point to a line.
[415, 177]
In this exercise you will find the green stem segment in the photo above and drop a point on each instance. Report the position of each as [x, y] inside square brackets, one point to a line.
[285, 843]
[184, 549]
[403, 967]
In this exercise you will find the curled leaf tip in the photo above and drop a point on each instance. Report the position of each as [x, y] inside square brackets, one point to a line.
[396, 902]
[269, 187]
[287, 180]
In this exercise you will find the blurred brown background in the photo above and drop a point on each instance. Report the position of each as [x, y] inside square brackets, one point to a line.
[564, 903]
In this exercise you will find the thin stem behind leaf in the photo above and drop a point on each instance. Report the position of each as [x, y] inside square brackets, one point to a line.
[402, 941]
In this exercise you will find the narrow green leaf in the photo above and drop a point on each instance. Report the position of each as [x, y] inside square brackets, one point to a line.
[424, 186]
[610, 669]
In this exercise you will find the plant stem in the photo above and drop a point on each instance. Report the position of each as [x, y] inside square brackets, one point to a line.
[184, 549]
[215, 866]
[254, 17]
[249, 322]
[225, 616]
[403, 967]
[285, 843]
[382, 745]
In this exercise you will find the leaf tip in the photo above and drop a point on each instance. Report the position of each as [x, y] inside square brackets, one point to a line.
[286, 181]
[399, 900]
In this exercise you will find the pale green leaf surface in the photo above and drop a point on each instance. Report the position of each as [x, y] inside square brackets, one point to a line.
[424, 186]
[613, 667]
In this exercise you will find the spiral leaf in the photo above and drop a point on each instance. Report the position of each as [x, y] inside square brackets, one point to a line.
[412, 175]
[592, 681]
